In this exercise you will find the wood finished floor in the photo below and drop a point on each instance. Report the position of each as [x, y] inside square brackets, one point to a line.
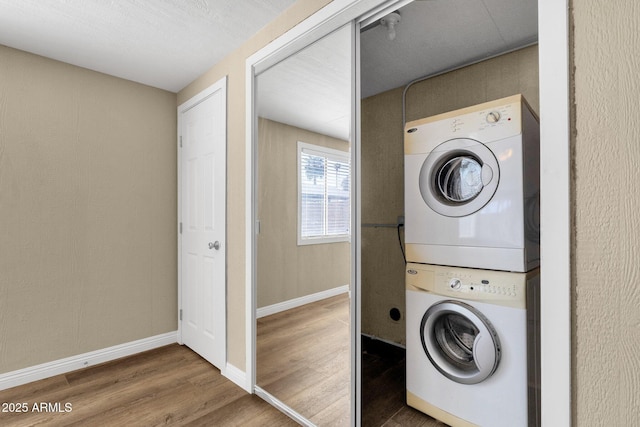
[303, 359]
[167, 386]
[174, 386]
[384, 390]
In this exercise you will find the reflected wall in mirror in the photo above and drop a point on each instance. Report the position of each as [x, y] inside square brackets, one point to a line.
[303, 246]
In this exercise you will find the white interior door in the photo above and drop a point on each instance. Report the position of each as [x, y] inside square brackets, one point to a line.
[202, 127]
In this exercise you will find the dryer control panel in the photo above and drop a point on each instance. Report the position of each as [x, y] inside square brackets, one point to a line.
[491, 121]
[495, 287]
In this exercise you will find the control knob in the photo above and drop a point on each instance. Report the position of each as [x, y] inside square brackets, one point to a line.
[455, 284]
[493, 117]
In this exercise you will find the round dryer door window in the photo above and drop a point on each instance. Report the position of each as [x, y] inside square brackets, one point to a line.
[459, 177]
[460, 342]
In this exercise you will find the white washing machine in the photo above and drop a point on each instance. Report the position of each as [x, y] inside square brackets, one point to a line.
[472, 181]
[473, 345]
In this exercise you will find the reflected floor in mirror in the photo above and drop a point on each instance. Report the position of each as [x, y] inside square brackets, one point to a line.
[303, 359]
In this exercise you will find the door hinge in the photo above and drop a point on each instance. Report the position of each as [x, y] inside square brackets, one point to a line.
[180, 228]
[180, 314]
[180, 141]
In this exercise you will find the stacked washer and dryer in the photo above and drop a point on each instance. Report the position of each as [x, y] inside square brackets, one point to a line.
[472, 279]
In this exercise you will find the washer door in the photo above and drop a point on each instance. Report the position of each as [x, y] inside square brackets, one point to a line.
[460, 342]
[459, 177]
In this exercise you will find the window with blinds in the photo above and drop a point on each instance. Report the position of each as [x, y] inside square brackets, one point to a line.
[324, 208]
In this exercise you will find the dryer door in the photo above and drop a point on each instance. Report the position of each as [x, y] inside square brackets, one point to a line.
[460, 342]
[459, 177]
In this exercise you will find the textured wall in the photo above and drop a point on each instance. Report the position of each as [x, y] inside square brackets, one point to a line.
[383, 169]
[87, 211]
[286, 270]
[606, 239]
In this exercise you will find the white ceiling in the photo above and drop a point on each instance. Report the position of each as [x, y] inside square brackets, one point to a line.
[311, 88]
[161, 43]
[434, 36]
[169, 43]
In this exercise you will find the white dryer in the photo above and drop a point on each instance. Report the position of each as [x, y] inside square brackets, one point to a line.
[473, 345]
[472, 184]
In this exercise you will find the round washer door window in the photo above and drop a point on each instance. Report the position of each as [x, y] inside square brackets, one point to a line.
[460, 342]
[459, 177]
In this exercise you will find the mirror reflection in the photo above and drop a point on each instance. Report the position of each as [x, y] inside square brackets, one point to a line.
[441, 56]
[303, 245]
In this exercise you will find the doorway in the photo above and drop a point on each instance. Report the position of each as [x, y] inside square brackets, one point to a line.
[202, 224]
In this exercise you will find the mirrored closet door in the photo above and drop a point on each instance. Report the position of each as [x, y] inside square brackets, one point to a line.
[303, 207]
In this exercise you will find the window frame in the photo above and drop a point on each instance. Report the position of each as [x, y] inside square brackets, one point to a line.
[330, 154]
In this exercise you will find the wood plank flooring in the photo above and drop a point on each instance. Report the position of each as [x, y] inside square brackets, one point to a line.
[174, 386]
[303, 359]
[384, 388]
[167, 386]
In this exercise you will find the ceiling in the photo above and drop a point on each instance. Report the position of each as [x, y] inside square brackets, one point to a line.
[311, 89]
[169, 43]
[161, 43]
[437, 35]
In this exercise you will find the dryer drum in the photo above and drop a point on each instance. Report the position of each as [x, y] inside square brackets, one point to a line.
[460, 179]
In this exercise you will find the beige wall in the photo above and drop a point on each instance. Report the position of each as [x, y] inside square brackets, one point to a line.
[233, 66]
[87, 222]
[87, 211]
[383, 170]
[606, 203]
[88, 204]
[286, 270]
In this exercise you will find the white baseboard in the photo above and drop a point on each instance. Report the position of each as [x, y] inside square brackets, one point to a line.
[62, 366]
[284, 408]
[297, 302]
[237, 376]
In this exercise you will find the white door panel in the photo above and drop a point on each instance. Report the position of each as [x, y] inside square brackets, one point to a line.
[203, 211]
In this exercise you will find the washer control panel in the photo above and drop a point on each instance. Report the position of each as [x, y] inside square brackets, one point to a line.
[483, 286]
[490, 286]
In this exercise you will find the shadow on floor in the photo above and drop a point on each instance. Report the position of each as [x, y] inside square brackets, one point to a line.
[384, 389]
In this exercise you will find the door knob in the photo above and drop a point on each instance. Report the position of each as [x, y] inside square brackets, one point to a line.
[215, 245]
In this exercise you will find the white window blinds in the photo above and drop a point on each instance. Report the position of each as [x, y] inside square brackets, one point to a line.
[323, 194]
